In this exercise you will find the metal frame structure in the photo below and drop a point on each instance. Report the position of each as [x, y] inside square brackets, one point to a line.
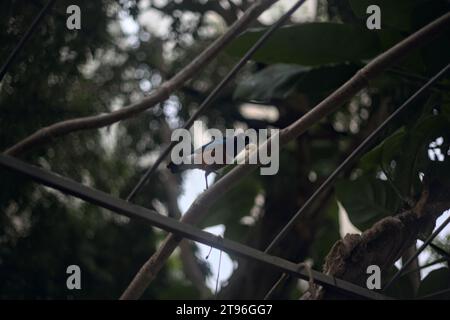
[180, 229]
[151, 217]
[354, 155]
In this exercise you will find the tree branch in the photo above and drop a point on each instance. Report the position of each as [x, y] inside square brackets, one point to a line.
[188, 259]
[44, 135]
[199, 207]
[383, 243]
[190, 263]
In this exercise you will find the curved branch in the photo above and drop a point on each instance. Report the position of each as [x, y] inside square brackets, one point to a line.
[199, 207]
[44, 135]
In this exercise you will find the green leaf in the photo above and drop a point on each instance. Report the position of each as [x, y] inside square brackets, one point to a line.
[384, 152]
[310, 44]
[367, 200]
[408, 147]
[435, 281]
[279, 81]
[415, 147]
[274, 82]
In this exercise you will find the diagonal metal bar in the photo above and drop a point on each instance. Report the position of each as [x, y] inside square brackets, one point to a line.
[151, 217]
[424, 266]
[277, 284]
[25, 38]
[435, 294]
[355, 153]
[440, 251]
[419, 251]
[207, 102]
[200, 207]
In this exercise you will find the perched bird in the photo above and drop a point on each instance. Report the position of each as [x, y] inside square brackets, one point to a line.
[196, 160]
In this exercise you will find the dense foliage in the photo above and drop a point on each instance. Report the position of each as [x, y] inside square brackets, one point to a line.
[62, 74]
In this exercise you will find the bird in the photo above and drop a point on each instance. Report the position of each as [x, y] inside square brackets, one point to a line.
[196, 160]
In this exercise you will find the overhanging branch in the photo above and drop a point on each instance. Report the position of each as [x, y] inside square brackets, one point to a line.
[62, 128]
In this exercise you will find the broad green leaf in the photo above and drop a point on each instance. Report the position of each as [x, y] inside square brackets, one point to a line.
[384, 152]
[414, 147]
[435, 281]
[430, 127]
[408, 147]
[367, 200]
[278, 81]
[274, 82]
[311, 44]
